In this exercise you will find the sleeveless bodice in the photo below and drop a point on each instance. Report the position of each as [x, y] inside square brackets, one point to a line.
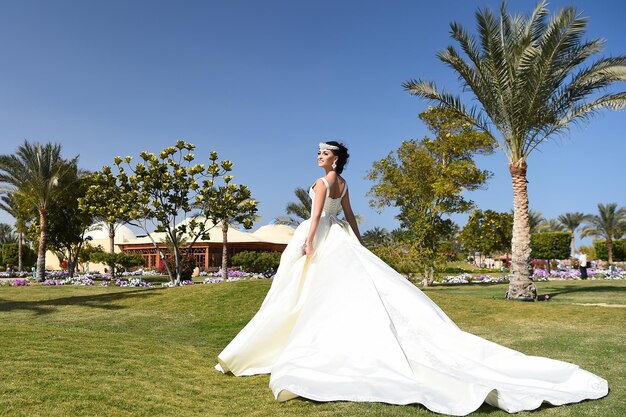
[332, 206]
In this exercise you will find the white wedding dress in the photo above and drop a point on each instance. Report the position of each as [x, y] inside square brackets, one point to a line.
[343, 325]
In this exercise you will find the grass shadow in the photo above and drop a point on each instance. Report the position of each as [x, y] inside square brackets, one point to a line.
[104, 301]
[575, 289]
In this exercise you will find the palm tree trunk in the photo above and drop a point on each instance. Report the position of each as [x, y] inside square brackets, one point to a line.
[225, 251]
[521, 286]
[41, 251]
[573, 246]
[20, 263]
[609, 249]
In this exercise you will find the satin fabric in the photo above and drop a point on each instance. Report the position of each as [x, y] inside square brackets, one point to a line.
[343, 325]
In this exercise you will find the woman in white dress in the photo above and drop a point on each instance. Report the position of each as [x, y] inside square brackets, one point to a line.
[340, 324]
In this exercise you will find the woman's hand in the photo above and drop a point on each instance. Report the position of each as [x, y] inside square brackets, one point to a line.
[307, 248]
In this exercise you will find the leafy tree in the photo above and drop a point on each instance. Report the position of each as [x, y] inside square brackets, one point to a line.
[425, 180]
[68, 224]
[377, 236]
[230, 204]
[406, 258]
[608, 224]
[120, 260]
[263, 262]
[35, 173]
[550, 245]
[527, 77]
[169, 192]
[618, 250]
[488, 232]
[10, 255]
[105, 202]
[571, 222]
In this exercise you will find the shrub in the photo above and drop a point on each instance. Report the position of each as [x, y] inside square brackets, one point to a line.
[551, 245]
[264, 262]
[188, 265]
[619, 250]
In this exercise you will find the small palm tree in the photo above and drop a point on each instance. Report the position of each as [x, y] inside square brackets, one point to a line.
[9, 203]
[571, 222]
[37, 174]
[302, 208]
[7, 234]
[527, 77]
[552, 225]
[535, 219]
[377, 237]
[608, 224]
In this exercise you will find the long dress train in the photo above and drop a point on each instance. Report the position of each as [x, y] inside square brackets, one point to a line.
[343, 325]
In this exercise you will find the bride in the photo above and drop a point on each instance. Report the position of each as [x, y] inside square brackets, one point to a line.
[340, 324]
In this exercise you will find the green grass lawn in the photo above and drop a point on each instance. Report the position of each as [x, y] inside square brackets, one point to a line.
[76, 351]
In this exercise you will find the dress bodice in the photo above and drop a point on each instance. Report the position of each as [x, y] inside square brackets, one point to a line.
[332, 206]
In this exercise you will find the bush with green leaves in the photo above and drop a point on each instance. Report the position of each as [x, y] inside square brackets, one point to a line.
[550, 245]
[619, 250]
[263, 262]
[9, 255]
[121, 261]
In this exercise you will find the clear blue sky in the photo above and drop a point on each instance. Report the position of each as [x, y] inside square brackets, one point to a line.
[262, 82]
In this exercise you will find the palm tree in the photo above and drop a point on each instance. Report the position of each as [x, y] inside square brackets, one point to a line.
[7, 234]
[526, 74]
[301, 209]
[535, 219]
[9, 204]
[571, 222]
[37, 174]
[609, 224]
[377, 237]
[552, 225]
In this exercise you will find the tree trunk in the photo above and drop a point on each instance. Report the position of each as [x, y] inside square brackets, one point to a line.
[111, 227]
[573, 246]
[225, 251]
[521, 286]
[41, 251]
[20, 263]
[609, 249]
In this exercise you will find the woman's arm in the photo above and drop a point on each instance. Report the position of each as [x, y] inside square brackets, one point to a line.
[347, 211]
[316, 212]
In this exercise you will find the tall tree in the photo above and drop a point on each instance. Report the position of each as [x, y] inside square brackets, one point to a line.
[35, 174]
[571, 222]
[425, 181]
[608, 224]
[527, 76]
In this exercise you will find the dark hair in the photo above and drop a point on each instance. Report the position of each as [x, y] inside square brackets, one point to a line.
[342, 153]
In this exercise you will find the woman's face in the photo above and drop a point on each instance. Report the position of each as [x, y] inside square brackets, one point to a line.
[325, 158]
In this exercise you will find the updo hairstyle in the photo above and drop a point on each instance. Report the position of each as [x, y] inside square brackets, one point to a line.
[342, 153]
